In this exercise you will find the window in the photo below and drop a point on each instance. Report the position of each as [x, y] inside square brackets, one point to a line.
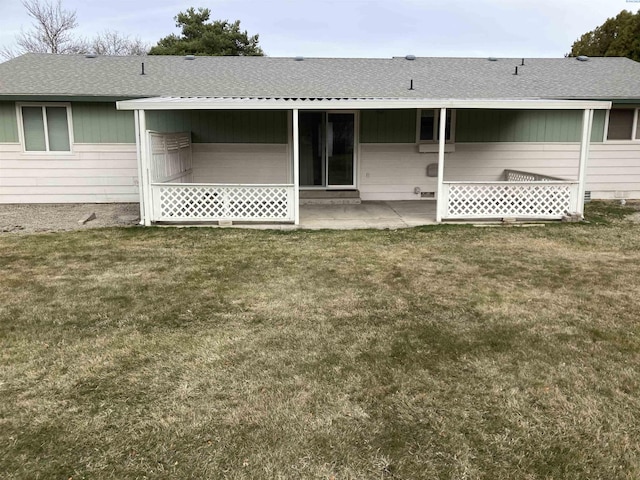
[45, 128]
[429, 126]
[623, 124]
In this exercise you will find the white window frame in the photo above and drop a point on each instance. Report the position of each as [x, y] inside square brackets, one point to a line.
[436, 123]
[634, 126]
[44, 106]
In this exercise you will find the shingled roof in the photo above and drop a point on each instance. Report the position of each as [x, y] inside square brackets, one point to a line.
[269, 77]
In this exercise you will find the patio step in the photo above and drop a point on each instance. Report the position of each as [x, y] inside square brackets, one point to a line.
[329, 197]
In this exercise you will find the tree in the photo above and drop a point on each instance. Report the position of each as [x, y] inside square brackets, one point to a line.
[200, 37]
[50, 30]
[616, 37]
[111, 42]
[51, 33]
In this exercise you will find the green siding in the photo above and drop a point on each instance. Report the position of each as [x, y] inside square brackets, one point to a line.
[8, 123]
[524, 126]
[597, 129]
[388, 126]
[223, 126]
[102, 123]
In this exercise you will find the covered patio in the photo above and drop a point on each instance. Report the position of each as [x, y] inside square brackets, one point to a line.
[170, 193]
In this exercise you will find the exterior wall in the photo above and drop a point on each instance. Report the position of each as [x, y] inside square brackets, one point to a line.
[388, 126]
[391, 172]
[102, 123]
[93, 173]
[101, 168]
[543, 126]
[614, 170]
[223, 126]
[487, 161]
[487, 143]
[483, 126]
[251, 147]
[232, 146]
[241, 163]
[8, 123]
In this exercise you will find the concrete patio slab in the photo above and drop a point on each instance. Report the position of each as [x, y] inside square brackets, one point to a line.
[376, 215]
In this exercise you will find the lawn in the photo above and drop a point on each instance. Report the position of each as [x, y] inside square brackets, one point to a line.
[446, 352]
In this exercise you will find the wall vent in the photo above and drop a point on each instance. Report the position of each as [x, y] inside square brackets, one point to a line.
[427, 194]
[587, 196]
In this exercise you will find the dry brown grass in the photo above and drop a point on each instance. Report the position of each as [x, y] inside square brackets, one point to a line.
[445, 352]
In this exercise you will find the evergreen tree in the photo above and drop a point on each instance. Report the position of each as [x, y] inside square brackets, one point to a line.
[616, 37]
[201, 37]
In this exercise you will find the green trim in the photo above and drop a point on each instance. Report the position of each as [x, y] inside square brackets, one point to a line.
[223, 126]
[63, 98]
[635, 101]
[8, 123]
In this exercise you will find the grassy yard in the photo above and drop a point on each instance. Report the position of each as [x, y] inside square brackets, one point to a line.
[442, 352]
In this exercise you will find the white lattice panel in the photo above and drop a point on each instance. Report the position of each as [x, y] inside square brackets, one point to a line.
[514, 176]
[170, 156]
[520, 176]
[222, 202]
[505, 199]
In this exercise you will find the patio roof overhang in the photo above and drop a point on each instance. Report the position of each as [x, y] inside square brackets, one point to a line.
[263, 103]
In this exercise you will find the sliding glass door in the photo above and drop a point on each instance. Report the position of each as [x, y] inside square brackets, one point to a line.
[327, 149]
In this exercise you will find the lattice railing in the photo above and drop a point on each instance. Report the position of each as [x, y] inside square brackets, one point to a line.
[211, 202]
[489, 200]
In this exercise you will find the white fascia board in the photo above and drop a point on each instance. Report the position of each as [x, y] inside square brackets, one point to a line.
[217, 103]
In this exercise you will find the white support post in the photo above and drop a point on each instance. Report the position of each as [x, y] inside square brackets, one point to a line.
[587, 122]
[296, 166]
[136, 122]
[440, 206]
[144, 163]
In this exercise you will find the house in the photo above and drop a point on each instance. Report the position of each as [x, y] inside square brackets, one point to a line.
[244, 138]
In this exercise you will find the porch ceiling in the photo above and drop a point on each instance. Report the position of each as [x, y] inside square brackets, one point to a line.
[259, 103]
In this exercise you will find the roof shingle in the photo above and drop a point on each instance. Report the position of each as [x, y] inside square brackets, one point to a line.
[436, 78]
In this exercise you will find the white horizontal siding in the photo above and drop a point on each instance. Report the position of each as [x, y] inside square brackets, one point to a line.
[392, 171]
[108, 172]
[487, 161]
[614, 170]
[100, 173]
[241, 163]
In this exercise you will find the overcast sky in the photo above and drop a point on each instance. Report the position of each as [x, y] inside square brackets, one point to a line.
[358, 28]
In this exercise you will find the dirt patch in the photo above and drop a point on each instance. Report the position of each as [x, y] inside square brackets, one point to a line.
[38, 218]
